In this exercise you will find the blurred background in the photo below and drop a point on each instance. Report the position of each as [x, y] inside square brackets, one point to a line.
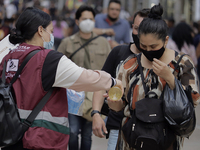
[176, 10]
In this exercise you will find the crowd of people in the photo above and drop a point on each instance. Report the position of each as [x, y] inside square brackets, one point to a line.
[89, 54]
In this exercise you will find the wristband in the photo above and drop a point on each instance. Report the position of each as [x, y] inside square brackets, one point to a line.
[94, 112]
[114, 82]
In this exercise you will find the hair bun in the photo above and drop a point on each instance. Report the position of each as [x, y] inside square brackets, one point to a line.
[156, 12]
[16, 32]
[16, 36]
[154, 16]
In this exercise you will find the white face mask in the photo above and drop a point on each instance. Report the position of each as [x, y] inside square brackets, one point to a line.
[86, 26]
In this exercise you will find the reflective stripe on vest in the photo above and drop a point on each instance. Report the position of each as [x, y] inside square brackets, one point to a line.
[46, 120]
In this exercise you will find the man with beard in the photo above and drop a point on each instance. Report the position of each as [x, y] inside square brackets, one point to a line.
[115, 29]
[112, 64]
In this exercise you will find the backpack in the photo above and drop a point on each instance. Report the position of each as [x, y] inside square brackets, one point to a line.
[147, 128]
[12, 128]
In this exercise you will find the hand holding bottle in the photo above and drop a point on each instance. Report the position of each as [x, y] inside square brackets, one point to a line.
[114, 96]
[117, 91]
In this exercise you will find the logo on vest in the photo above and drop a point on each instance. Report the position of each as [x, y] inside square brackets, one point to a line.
[12, 65]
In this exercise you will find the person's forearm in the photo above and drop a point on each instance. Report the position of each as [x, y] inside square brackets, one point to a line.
[69, 75]
[99, 31]
[98, 100]
[92, 81]
[170, 81]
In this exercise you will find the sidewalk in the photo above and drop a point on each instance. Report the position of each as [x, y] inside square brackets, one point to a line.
[99, 143]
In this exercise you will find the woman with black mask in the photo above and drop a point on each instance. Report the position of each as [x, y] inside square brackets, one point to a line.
[114, 60]
[157, 63]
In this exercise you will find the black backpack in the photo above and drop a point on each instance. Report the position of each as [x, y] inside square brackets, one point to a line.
[11, 127]
[147, 128]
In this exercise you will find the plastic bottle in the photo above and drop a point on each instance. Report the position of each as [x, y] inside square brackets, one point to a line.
[115, 93]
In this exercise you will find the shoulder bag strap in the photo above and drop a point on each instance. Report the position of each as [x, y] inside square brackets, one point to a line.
[86, 43]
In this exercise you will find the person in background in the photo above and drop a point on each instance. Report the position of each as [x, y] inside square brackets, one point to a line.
[46, 69]
[92, 56]
[68, 17]
[4, 29]
[182, 41]
[53, 10]
[171, 25]
[195, 28]
[197, 46]
[112, 64]
[115, 29]
[60, 30]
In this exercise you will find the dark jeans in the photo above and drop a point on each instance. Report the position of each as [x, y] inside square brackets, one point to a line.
[79, 125]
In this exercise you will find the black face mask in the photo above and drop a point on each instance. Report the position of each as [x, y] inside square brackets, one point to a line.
[136, 40]
[0, 21]
[150, 55]
[112, 19]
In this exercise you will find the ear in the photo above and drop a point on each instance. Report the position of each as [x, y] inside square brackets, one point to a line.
[166, 40]
[77, 22]
[40, 30]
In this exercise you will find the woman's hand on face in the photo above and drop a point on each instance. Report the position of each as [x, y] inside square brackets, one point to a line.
[163, 71]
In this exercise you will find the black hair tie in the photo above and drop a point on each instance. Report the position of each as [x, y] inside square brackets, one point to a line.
[154, 16]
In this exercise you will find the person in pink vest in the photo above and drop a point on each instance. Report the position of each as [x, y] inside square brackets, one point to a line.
[46, 69]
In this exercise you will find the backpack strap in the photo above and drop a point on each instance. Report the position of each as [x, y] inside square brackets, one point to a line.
[3, 77]
[28, 122]
[141, 72]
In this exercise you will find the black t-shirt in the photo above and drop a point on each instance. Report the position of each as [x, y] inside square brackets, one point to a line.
[113, 62]
[116, 56]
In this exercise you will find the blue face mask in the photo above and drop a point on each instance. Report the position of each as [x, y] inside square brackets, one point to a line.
[49, 45]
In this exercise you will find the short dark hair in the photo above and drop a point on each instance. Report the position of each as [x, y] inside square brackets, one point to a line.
[142, 13]
[83, 8]
[114, 1]
[154, 23]
[27, 24]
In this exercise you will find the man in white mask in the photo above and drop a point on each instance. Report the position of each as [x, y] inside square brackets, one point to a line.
[91, 56]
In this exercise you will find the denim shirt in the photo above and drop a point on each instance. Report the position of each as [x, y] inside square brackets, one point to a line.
[121, 28]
